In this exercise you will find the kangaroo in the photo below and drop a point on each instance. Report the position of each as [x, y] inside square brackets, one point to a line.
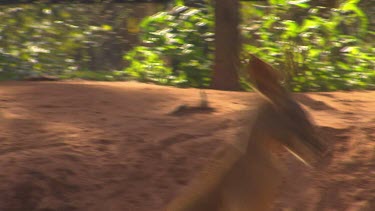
[248, 179]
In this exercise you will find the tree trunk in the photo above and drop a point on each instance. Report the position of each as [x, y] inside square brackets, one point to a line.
[227, 45]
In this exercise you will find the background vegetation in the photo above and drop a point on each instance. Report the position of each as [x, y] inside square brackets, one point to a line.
[317, 48]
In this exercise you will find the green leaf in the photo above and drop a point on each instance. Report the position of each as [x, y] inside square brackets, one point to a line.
[106, 27]
[278, 2]
[291, 29]
[310, 24]
[300, 3]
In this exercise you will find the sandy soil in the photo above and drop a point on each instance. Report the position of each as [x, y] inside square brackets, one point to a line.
[114, 146]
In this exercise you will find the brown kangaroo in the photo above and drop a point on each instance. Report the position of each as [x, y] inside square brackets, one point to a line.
[247, 179]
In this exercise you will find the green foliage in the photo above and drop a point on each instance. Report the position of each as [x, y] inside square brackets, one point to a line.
[317, 48]
[92, 75]
[146, 65]
[178, 41]
[27, 35]
[59, 38]
[6, 76]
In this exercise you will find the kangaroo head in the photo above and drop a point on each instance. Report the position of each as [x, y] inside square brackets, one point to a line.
[281, 118]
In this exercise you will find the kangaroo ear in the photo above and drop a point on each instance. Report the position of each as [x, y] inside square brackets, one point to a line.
[265, 78]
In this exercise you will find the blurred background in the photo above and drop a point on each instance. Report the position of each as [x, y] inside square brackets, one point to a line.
[320, 45]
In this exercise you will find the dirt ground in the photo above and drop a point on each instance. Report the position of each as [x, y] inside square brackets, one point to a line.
[94, 146]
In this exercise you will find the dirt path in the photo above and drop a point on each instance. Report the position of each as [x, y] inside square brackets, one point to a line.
[113, 146]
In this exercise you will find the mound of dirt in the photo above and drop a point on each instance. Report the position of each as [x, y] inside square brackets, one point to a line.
[115, 146]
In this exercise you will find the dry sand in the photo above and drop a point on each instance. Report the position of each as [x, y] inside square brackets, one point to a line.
[97, 146]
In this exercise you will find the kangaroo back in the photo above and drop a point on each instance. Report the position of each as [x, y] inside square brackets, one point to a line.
[247, 179]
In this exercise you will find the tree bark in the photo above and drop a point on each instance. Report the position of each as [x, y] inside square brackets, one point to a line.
[227, 45]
